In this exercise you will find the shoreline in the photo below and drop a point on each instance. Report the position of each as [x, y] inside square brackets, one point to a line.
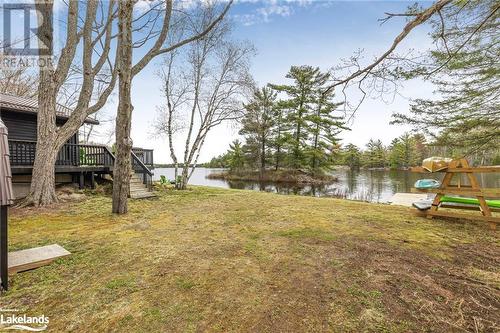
[335, 168]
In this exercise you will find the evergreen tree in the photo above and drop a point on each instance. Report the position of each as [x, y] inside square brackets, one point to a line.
[396, 154]
[279, 134]
[236, 156]
[496, 160]
[308, 126]
[465, 70]
[221, 161]
[421, 148]
[375, 154]
[352, 156]
[324, 126]
[407, 150]
[257, 125]
[300, 95]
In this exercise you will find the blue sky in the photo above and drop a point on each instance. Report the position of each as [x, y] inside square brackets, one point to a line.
[287, 33]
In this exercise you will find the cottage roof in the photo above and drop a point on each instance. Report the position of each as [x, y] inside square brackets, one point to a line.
[30, 105]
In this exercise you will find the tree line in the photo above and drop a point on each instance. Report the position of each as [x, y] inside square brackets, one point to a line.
[405, 151]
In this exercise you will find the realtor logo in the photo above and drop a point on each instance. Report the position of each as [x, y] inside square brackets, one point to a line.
[21, 26]
[9, 320]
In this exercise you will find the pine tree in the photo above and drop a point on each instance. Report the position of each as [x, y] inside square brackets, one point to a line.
[257, 125]
[421, 149]
[465, 114]
[298, 105]
[375, 154]
[324, 126]
[396, 154]
[309, 127]
[352, 156]
[236, 156]
[279, 134]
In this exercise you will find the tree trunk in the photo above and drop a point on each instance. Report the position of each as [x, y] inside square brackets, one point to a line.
[278, 152]
[263, 158]
[184, 176]
[171, 146]
[176, 175]
[315, 159]
[123, 168]
[278, 146]
[297, 134]
[42, 190]
[196, 158]
[50, 138]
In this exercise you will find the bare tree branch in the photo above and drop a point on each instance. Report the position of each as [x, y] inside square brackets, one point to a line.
[157, 48]
[420, 18]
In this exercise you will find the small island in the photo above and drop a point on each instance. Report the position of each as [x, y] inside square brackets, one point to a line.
[276, 176]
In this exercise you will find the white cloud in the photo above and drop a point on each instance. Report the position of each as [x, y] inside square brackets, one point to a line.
[274, 9]
[142, 6]
[269, 9]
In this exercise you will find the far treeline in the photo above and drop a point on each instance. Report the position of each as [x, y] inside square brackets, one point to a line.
[405, 151]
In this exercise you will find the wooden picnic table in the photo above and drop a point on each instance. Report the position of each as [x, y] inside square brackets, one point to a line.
[458, 167]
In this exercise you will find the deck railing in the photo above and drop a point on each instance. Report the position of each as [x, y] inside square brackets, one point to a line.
[22, 153]
[139, 167]
[145, 155]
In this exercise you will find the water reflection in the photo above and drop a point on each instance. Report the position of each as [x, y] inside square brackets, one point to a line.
[366, 185]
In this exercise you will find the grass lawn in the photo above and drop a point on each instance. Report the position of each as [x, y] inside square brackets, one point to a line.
[228, 260]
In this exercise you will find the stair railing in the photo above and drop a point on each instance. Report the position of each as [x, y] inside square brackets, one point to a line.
[139, 167]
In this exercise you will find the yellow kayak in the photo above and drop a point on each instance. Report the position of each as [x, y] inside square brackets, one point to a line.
[434, 164]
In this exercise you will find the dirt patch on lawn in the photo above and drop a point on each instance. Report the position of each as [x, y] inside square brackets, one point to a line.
[405, 288]
[350, 285]
[358, 285]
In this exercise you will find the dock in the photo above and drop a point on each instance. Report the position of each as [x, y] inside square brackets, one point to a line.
[406, 199]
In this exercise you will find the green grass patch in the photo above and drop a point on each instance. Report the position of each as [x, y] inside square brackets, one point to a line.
[229, 260]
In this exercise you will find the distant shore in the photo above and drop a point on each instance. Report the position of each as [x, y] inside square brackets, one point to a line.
[281, 176]
[336, 167]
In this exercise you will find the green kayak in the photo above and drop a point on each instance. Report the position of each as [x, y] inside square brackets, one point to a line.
[470, 201]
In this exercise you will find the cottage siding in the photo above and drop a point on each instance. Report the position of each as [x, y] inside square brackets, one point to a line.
[22, 126]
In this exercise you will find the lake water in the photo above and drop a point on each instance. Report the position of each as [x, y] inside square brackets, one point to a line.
[367, 185]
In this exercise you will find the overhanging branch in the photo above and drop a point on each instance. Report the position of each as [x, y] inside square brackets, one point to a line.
[419, 19]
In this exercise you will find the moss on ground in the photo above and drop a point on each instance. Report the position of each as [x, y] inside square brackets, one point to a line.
[227, 260]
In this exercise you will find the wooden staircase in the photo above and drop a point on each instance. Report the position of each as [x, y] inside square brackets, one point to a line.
[139, 190]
